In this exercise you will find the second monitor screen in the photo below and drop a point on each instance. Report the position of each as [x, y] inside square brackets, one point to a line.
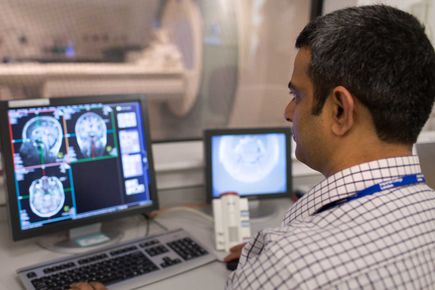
[250, 164]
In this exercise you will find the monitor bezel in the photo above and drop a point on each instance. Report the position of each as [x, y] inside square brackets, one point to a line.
[210, 133]
[5, 142]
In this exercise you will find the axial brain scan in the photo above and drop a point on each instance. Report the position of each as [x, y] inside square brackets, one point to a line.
[42, 139]
[91, 133]
[46, 196]
[247, 158]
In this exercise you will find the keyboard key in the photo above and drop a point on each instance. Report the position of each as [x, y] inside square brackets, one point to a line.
[123, 250]
[31, 275]
[157, 250]
[187, 248]
[58, 267]
[92, 259]
[148, 243]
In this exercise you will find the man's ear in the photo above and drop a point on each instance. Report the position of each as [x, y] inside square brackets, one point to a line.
[343, 109]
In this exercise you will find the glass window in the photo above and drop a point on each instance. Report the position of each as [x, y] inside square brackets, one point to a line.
[205, 64]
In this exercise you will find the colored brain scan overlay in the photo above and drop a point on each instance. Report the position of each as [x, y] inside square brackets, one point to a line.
[42, 139]
[248, 158]
[91, 133]
[46, 196]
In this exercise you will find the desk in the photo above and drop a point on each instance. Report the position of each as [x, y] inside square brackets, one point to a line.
[14, 255]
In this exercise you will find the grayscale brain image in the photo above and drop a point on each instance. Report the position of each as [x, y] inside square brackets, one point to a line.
[91, 133]
[249, 158]
[46, 196]
[42, 139]
[249, 163]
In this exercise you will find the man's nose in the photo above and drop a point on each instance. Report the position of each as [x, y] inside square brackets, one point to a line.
[288, 113]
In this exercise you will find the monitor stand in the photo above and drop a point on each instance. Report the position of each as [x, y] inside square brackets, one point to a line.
[261, 209]
[81, 239]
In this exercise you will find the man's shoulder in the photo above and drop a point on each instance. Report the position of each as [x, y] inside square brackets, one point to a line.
[297, 238]
[354, 227]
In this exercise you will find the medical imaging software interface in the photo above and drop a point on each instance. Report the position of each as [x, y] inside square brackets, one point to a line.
[76, 161]
[250, 164]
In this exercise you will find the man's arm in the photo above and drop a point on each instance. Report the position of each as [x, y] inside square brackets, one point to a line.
[263, 271]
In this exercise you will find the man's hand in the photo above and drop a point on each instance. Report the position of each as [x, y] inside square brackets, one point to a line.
[87, 286]
[235, 252]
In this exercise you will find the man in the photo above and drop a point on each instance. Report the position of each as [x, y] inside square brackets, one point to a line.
[363, 85]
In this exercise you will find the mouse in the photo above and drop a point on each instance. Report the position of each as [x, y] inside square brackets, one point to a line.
[232, 265]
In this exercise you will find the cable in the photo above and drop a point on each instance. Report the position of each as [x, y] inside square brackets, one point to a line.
[147, 218]
[152, 219]
[160, 225]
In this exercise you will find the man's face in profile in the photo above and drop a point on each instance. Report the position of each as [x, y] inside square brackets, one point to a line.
[308, 129]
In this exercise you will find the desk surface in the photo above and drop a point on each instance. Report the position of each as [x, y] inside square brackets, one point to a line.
[15, 255]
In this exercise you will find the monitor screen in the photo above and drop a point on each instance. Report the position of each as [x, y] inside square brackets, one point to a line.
[75, 161]
[253, 162]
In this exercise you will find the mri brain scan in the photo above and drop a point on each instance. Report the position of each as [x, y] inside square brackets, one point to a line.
[42, 139]
[248, 158]
[91, 133]
[46, 196]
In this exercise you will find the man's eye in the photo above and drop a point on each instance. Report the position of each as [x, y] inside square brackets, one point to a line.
[294, 96]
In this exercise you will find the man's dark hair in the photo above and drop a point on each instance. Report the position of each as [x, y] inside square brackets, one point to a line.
[383, 57]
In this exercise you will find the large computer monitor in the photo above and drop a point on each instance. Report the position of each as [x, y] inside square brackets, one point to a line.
[254, 162]
[75, 161]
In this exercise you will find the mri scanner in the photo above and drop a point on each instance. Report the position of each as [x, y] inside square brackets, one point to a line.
[200, 62]
[168, 68]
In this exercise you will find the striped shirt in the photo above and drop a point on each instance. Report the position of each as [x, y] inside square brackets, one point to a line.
[382, 241]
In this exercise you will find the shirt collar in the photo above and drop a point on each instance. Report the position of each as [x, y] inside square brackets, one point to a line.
[349, 181]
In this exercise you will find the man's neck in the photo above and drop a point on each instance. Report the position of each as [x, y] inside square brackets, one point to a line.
[351, 156]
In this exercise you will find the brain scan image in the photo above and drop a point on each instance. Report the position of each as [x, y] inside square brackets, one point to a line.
[46, 196]
[42, 140]
[91, 134]
[249, 158]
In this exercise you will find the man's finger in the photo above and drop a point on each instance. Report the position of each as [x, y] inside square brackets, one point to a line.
[232, 256]
[237, 247]
[235, 253]
[87, 286]
[81, 286]
[98, 286]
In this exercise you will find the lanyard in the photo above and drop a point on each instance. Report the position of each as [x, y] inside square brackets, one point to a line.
[398, 182]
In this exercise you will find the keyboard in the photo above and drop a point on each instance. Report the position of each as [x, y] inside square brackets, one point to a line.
[124, 266]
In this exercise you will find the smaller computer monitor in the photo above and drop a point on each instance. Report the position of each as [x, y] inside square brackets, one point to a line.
[254, 162]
